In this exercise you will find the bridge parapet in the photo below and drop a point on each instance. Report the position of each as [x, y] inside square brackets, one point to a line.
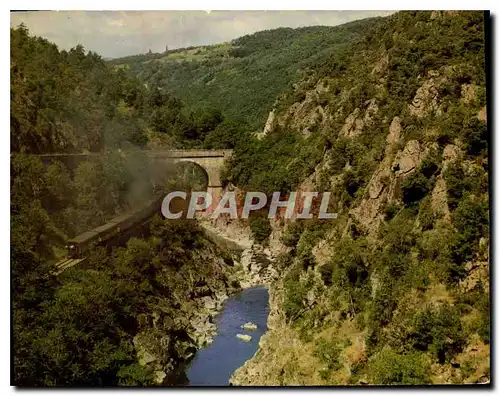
[196, 153]
[211, 161]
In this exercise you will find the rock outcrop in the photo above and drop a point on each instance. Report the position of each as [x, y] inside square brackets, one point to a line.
[426, 100]
[358, 119]
[182, 320]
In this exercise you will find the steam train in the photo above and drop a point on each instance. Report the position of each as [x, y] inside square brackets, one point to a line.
[79, 245]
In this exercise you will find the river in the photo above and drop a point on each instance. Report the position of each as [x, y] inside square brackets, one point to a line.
[214, 365]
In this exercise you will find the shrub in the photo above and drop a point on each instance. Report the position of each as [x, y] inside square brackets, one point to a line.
[135, 375]
[260, 227]
[295, 293]
[456, 183]
[391, 208]
[398, 235]
[328, 352]
[439, 331]
[426, 215]
[326, 271]
[292, 233]
[349, 269]
[471, 222]
[475, 136]
[390, 368]
[415, 187]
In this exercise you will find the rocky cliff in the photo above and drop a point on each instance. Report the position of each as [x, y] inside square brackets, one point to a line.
[180, 318]
[396, 290]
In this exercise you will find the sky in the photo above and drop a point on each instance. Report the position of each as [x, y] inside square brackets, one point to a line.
[120, 33]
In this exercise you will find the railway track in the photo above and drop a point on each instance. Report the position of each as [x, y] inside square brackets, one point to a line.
[66, 263]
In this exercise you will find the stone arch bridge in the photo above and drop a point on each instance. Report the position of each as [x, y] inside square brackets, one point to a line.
[211, 161]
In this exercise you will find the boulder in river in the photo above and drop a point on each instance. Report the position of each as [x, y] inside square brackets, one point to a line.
[244, 337]
[249, 326]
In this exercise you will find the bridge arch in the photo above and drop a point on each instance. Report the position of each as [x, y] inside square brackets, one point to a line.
[212, 162]
[211, 170]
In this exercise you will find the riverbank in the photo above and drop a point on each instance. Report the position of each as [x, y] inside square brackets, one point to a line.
[233, 345]
[250, 372]
[255, 268]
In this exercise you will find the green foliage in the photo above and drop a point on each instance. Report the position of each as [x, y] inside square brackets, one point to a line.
[416, 186]
[349, 274]
[390, 368]
[380, 284]
[349, 268]
[314, 230]
[471, 222]
[244, 78]
[456, 183]
[260, 227]
[277, 163]
[95, 191]
[74, 101]
[481, 301]
[83, 333]
[296, 289]
[439, 331]
[69, 100]
[328, 352]
[80, 333]
[475, 135]
[78, 329]
[390, 210]
[426, 215]
[227, 134]
[135, 375]
[292, 232]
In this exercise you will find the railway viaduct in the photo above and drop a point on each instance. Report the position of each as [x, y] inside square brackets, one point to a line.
[212, 161]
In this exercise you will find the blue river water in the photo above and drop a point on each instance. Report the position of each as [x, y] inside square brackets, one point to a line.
[214, 365]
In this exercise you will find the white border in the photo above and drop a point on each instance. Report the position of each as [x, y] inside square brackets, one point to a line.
[184, 5]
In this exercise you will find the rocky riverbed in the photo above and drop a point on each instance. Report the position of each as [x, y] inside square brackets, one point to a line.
[252, 267]
[185, 322]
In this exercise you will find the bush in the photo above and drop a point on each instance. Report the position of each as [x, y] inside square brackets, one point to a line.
[415, 187]
[349, 269]
[260, 227]
[391, 208]
[328, 352]
[475, 136]
[295, 294]
[390, 368]
[283, 260]
[471, 222]
[292, 233]
[419, 184]
[439, 331]
[135, 375]
[399, 234]
[456, 183]
[426, 215]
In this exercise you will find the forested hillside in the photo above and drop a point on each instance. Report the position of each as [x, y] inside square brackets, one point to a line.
[244, 77]
[396, 290]
[388, 114]
[94, 326]
[72, 101]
